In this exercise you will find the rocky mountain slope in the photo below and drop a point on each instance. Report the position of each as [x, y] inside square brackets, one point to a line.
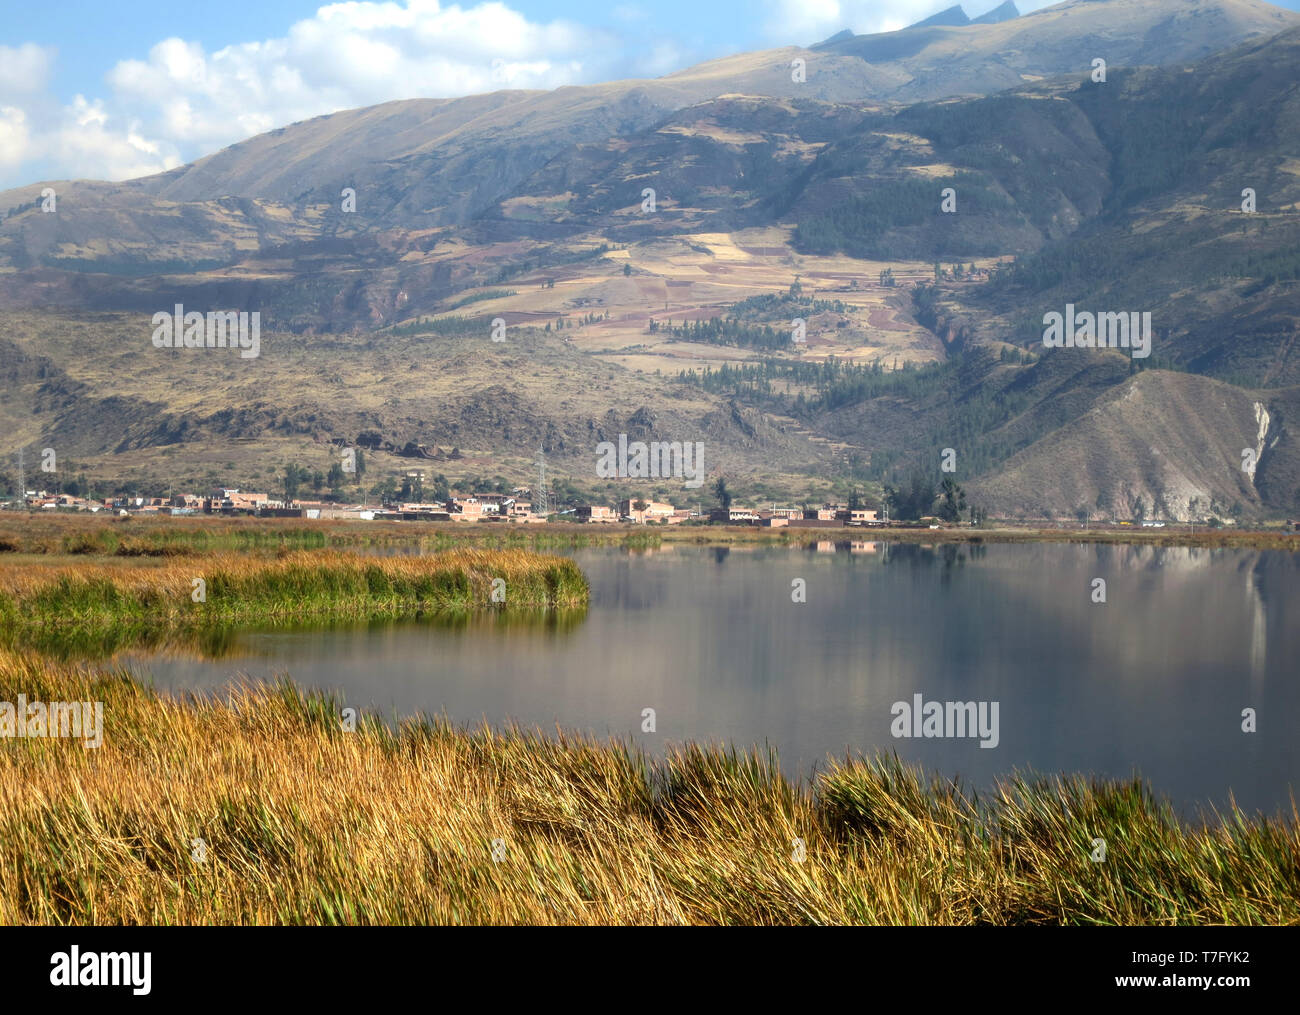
[529, 207]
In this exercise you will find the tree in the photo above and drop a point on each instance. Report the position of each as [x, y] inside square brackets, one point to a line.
[911, 503]
[361, 465]
[441, 489]
[293, 479]
[721, 492]
[318, 480]
[413, 488]
[335, 479]
[952, 500]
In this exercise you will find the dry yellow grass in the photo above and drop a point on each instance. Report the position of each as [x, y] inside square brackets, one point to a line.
[302, 822]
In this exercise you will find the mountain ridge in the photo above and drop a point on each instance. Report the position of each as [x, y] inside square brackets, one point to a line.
[770, 202]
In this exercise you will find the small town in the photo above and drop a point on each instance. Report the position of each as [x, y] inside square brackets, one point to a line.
[515, 507]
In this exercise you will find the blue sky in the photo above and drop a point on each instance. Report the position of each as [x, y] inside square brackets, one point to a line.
[92, 38]
[111, 91]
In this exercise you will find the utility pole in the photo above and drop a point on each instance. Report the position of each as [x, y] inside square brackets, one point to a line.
[542, 505]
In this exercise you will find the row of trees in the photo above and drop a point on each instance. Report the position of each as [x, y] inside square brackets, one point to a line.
[297, 477]
[727, 331]
[73, 486]
[920, 499]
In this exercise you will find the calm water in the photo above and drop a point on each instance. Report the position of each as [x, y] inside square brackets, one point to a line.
[1154, 681]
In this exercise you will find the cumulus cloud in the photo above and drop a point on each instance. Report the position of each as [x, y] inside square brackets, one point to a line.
[24, 69]
[15, 138]
[41, 139]
[182, 101]
[348, 55]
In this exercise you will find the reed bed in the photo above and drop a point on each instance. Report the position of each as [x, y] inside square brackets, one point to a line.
[38, 602]
[302, 822]
[84, 536]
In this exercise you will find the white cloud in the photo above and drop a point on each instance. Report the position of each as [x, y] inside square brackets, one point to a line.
[24, 69]
[348, 55]
[182, 101]
[41, 139]
[15, 138]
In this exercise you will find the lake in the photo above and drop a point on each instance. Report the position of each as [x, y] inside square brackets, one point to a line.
[1153, 681]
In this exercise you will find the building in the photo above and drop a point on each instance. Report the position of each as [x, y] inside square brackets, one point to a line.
[647, 512]
[596, 513]
[228, 500]
[479, 507]
[734, 516]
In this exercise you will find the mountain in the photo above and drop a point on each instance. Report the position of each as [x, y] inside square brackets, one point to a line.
[952, 57]
[1005, 11]
[669, 315]
[422, 166]
[1143, 176]
[951, 16]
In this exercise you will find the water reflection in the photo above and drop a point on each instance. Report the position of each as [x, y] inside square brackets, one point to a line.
[1152, 681]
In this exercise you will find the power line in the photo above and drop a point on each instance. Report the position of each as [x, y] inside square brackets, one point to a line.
[542, 499]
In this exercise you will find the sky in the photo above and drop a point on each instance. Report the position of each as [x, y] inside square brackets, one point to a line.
[123, 89]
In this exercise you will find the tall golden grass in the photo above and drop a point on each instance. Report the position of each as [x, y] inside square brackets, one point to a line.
[302, 822]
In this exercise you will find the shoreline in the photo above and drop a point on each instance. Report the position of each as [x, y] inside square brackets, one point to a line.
[82, 537]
